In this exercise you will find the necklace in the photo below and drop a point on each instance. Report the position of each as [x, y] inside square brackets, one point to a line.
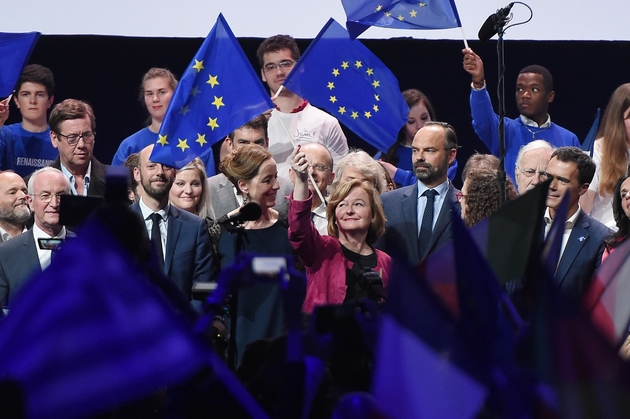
[535, 132]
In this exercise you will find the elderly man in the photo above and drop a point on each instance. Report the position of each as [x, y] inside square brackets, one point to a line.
[358, 164]
[181, 239]
[28, 253]
[320, 163]
[419, 217]
[14, 210]
[73, 132]
[531, 164]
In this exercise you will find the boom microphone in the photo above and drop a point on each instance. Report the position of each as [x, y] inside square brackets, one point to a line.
[249, 212]
[491, 26]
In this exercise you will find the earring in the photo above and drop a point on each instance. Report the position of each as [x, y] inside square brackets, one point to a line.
[245, 198]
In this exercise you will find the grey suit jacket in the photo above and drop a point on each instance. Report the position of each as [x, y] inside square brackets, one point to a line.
[18, 261]
[401, 229]
[188, 254]
[582, 255]
[223, 200]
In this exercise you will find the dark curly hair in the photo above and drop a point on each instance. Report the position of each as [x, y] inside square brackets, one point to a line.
[482, 196]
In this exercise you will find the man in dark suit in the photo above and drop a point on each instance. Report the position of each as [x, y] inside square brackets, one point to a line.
[183, 245]
[419, 216]
[73, 133]
[571, 171]
[22, 256]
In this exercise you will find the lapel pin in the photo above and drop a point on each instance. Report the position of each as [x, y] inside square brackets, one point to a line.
[581, 238]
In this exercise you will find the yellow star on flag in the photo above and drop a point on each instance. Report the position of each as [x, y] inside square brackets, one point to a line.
[413, 13]
[358, 64]
[335, 72]
[162, 140]
[376, 83]
[422, 4]
[401, 17]
[378, 99]
[333, 99]
[380, 6]
[375, 107]
[369, 71]
[342, 110]
[367, 114]
[354, 115]
[388, 14]
[201, 139]
[331, 85]
[218, 102]
[198, 65]
[183, 144]
[345, 65]
[212, 123]
[194, 91]
[184, 110]
[212, 80]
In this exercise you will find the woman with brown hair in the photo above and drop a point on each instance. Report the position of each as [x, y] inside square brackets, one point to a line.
[479, 196]
[611, 155]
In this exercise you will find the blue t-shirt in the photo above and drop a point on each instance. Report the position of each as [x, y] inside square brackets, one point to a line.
[139, 140]
[23, 151]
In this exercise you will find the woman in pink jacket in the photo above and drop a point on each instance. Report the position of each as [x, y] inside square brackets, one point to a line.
[343, 265]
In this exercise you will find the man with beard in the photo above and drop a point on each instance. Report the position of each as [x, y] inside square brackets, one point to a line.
[419, 216]
[181, 239]
[14, 211]
[31, 252]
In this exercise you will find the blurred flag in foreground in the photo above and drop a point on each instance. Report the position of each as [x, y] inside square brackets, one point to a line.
[15, 50]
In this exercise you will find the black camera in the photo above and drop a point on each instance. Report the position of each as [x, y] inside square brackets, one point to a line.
[372, 283]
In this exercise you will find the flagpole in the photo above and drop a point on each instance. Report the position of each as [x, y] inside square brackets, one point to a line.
[310, 175]
[464, 37]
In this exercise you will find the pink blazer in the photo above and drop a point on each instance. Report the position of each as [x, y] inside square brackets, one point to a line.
[323, 258]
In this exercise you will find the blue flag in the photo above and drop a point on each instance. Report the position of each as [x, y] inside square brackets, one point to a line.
[15, 50]
[589, 142]
[400, 14]
[218, 93]
[343, 77]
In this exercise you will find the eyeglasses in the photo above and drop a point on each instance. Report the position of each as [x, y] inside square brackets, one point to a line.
[73, 139]
[320, 167]
[284, 64]
[531, 172]
[460, 196]
[561, 180]
[46, 197]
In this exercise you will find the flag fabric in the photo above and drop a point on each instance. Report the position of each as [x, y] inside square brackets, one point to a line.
[607, 298]
[15, 50]
[552, 247]
[344, 78]
[218, 93]
[400, 14]
[589, 142]
[80, 340]
[422, 367]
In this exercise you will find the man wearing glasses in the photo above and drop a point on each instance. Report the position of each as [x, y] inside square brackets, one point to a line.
[531, 163]
[72, 132]
[571, 171]
[32, 251]
[304, 122]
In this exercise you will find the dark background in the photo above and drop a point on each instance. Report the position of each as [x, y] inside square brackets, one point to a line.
[106, 72]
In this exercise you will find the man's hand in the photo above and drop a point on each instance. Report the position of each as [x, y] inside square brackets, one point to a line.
[4, 110]
[474, 66]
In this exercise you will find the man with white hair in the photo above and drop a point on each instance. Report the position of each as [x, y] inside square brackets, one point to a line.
[45, 188]
[531, 163]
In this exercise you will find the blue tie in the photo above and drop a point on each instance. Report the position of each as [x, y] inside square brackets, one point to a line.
[427, 223]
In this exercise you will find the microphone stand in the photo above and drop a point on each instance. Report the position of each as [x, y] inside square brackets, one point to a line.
[500, 26]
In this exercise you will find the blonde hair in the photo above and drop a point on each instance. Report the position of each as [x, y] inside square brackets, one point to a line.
[204, 206]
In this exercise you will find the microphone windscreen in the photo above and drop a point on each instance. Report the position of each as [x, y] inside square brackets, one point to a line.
[250, 212]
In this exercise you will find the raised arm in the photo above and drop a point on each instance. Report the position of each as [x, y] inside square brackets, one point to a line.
[474, 66]
[299, 166]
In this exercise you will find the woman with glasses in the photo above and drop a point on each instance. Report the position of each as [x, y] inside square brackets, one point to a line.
[343, 266]
[479, 196]
[611, 155]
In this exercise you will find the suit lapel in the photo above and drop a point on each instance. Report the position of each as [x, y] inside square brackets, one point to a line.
[174, 227]
[409, 207]
[577, 239]
[444, 217]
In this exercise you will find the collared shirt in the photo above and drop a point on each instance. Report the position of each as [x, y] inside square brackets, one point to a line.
[45, 254]
[318, 215]
[146, 215]
[531, 123]
[438, 201]
[4, 236]
[568, 227]
[239, 197]
[73, 183]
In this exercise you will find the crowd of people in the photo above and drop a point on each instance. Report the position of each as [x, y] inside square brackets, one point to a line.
[336, 211]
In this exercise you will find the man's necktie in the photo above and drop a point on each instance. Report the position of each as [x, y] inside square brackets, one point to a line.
[427, 222]
[156, 237]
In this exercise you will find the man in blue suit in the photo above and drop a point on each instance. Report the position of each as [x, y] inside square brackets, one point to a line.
[419, 216]
[571, 171]
[25, 254]
[184, 246]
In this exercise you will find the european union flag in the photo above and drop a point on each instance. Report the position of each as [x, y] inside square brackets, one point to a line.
[218, 93]
[400, 14]
[15, 50]
[343, 77]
